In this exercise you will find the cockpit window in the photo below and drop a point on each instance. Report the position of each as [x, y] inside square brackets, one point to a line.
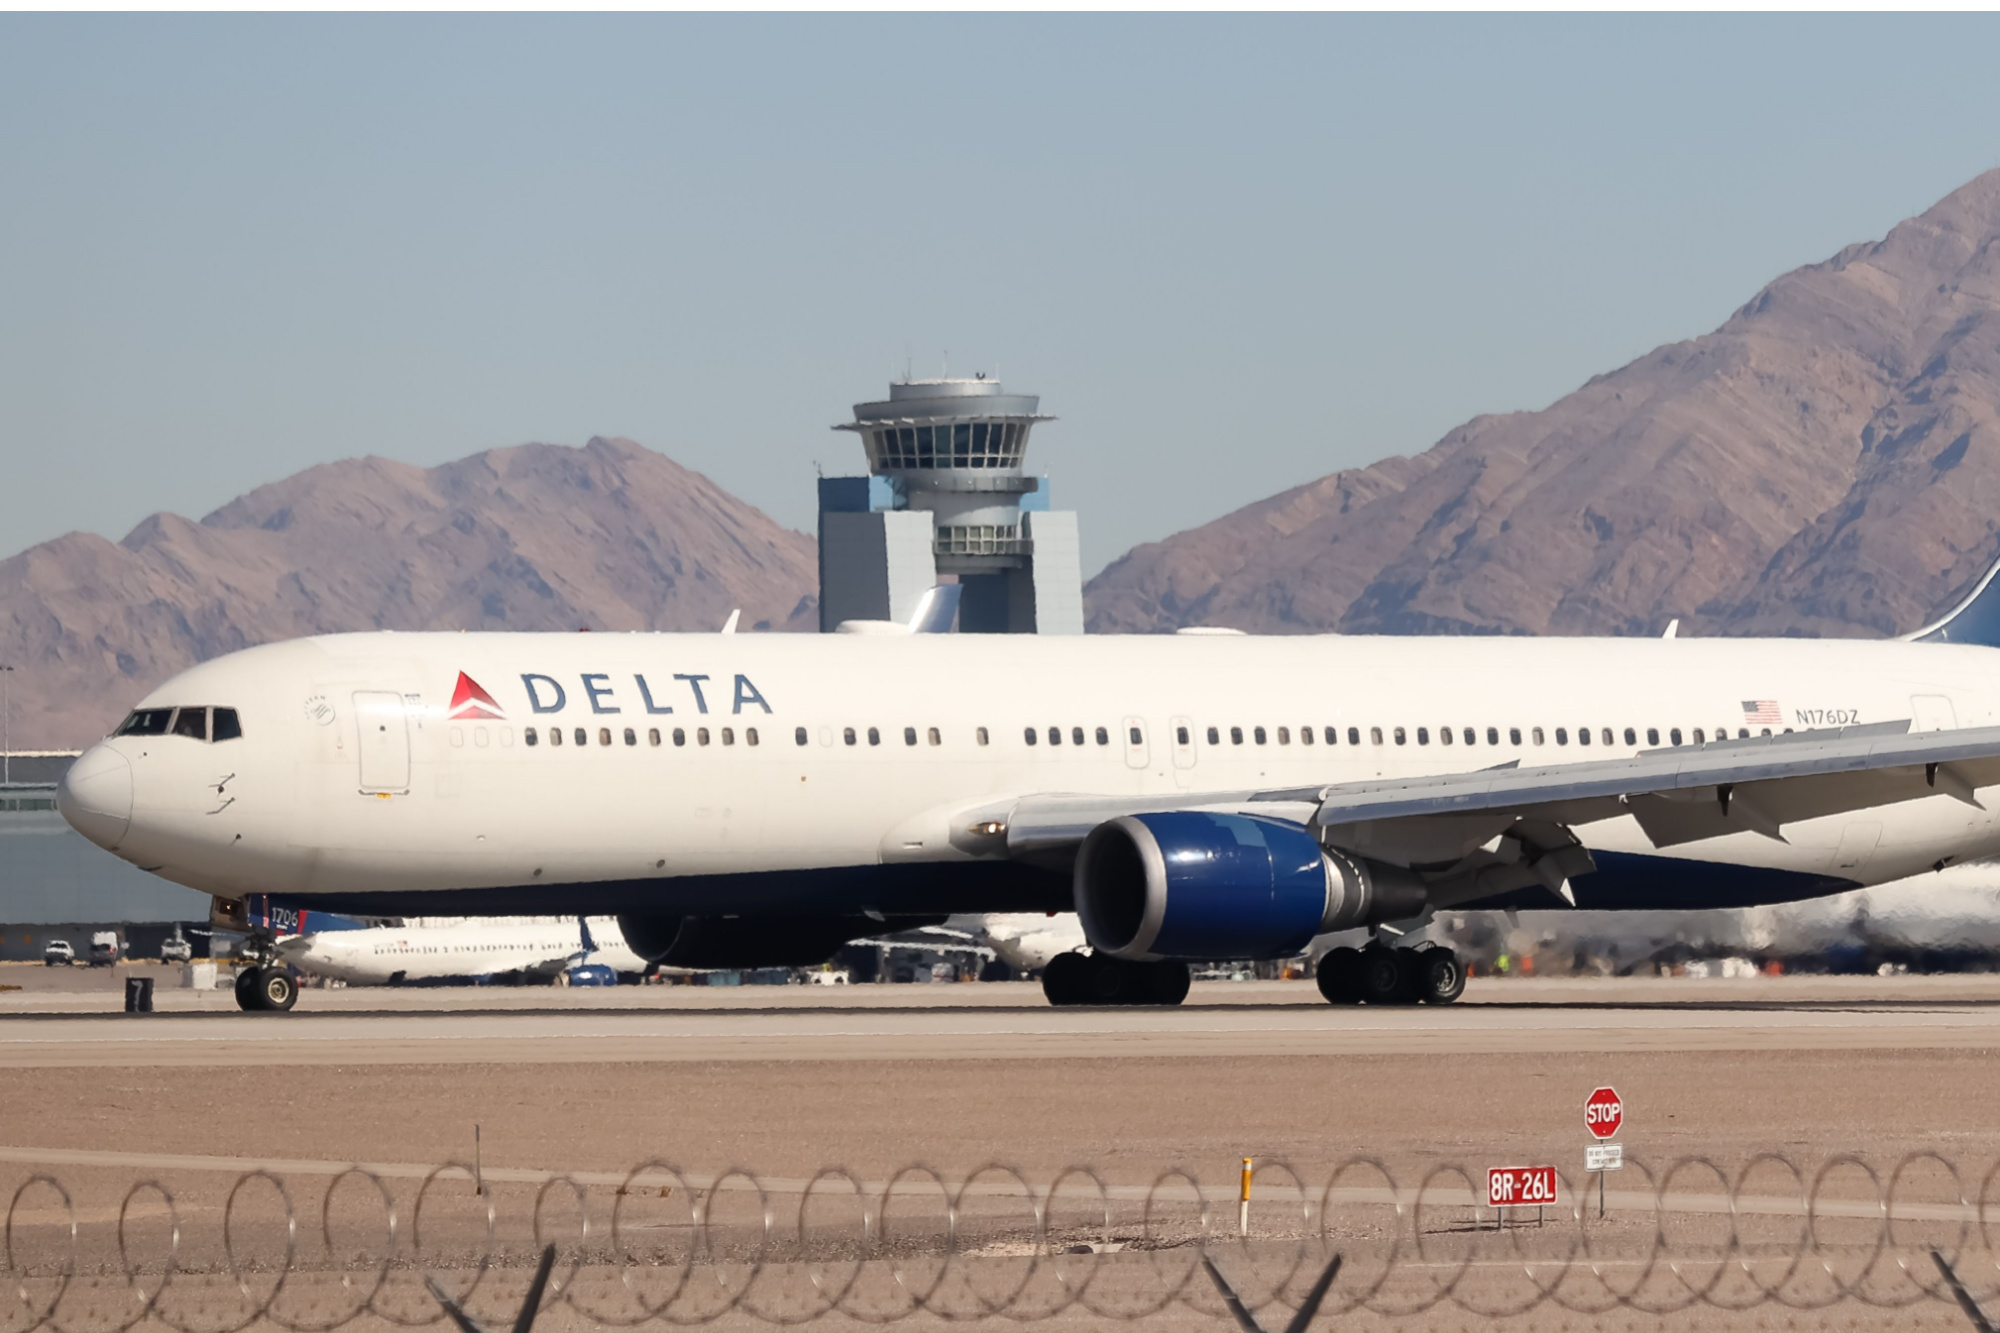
[191, 723]
[145, 722]
[224, 726]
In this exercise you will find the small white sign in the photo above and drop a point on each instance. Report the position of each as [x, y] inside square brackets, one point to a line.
[1604, 1157]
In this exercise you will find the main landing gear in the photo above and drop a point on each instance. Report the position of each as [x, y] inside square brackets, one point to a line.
[1378, 974]
[266, 989]
[1098, 978]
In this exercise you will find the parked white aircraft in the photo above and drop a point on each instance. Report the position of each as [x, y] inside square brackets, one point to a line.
[742, 800]
[1025, 941]
[398, 955]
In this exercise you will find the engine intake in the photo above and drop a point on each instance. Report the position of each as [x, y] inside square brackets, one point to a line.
[1195, 884]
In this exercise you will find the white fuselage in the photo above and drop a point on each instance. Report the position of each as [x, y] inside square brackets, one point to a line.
[387, 955]
[738, 774]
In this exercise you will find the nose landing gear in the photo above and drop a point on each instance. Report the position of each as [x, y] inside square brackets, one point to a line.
[1379, 974]
[266, 990]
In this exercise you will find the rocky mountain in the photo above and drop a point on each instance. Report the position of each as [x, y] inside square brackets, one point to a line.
[1827, 462]
[609, 536]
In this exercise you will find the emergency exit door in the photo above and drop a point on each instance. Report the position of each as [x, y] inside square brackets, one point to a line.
[383, 742]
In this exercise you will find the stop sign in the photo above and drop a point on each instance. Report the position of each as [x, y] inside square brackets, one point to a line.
[1603, 1112]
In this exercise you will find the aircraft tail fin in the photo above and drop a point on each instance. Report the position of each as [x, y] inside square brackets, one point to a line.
[589, 944]
[1975, 620]
[937, 609]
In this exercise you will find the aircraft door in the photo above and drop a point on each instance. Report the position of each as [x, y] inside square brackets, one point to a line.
[1181, 729]
[1932, 712]
[1136, 753]
[383, 742]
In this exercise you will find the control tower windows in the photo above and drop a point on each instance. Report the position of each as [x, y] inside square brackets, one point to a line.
[960, 444]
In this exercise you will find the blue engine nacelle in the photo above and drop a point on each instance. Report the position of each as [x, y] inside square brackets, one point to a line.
[1194, 884]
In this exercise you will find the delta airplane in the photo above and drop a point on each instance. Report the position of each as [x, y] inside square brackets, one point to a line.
[402, 955]
[748, 800]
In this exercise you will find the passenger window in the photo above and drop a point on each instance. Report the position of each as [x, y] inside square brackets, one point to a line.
[1180, 735]
[223, 725]
[1471, 736]
[1631, 737]
[701, 735]
[1536, 735]
[582, 736]
[1444, 735]
[457, 738]
[1699, 737]
[1284, 735]
[1236, 735]
[191, 723]
[1055, 735]
[1257, 733]
[631, 736]
[555, 735]
[1103, 737]
[680, 736]
[980, 735]
[1674, 736]
[1028, 735]
[528, 735]
[480, 737]
[1400, 738]
[1375, 735]
[729, 736]
[750, 735]
[874, 735]
[1743, 733]
[146, 722]
[1423, 735]
[909, 735]
[1582, 736]
[1305, 735]
[1562, 737]
[799, 735]
[1333, 736]
[1493, 736]
[604, 735]
[653, 736]
[1514, 736]
[1765, 732]
[934, 738]
[1076, 735]
[1607, 736]
[506, 738]
[1214, 736]
[1135, 736]
[1653, 736]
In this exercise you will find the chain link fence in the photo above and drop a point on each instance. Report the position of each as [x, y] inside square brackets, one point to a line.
[661, 1246]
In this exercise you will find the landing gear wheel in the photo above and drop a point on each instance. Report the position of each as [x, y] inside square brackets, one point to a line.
[1111, 980]
[1339, 976]
[276, 990]
[1065, 978]
[1166, 982]
[1384, 976]
[247, 998]
[1440, 976]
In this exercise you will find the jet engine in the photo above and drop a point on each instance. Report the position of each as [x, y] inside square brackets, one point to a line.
[1194, 884]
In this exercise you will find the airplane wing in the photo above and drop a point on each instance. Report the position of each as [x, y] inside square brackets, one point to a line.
[1440, 824]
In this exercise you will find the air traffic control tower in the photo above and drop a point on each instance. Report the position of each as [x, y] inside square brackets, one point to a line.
[945, 494]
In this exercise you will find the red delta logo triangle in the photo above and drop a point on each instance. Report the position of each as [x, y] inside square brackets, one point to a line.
[470, 703]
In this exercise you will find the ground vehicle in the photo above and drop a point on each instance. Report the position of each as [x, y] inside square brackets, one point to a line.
[58, 953]
[176, 949]
[104, 948]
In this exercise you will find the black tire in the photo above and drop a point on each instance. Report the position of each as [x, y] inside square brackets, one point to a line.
[277, 989]
[248, 998]
[1440, 976]
[1339, 976]
[1112, 981]
[1063, 980]
[1383, 976]
[1167, 981]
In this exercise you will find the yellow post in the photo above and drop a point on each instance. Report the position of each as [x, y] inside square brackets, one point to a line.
[1243, 1201]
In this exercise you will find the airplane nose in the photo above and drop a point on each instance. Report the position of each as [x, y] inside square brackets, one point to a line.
[95, 796]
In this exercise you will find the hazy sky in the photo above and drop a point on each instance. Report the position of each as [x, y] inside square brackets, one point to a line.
[1231, 254]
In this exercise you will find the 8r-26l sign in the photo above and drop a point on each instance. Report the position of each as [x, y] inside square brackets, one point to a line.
[1603, 1113]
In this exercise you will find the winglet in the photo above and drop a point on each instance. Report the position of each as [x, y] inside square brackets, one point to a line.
[1975, 620]
[937, 609]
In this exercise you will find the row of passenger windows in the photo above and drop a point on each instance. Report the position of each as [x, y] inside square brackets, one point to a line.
[1080, 736]
[197, 724]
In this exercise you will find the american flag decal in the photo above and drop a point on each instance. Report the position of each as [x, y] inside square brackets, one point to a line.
[1761, 712]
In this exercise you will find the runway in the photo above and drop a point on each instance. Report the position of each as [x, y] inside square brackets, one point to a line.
[995, 1022]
